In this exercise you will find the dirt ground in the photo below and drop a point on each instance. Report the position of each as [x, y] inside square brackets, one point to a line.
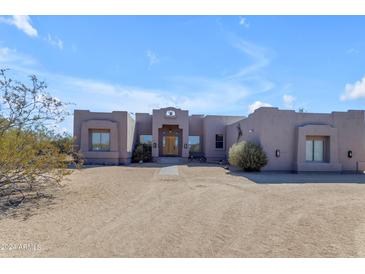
[139, 211]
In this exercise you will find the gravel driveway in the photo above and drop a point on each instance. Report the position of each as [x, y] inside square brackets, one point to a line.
[190, 211]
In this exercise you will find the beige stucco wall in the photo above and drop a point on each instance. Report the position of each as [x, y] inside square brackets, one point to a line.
[212, 125]
[351, 136]
[280, 129]
[196, 123]
[121, 126]
[274, 129]
[143, 124]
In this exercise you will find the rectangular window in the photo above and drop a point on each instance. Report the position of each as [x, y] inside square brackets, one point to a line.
[194, 143]
[318, 150]
[309, 150]
[145, 139]
[219, 141]
[100, 139]
[314, 150]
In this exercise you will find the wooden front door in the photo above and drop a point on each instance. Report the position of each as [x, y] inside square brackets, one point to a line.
[170, 145]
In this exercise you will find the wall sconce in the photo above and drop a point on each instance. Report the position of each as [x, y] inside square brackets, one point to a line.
[250, 130]
[349, 153]
[154, 145]
[277, 153]
[185, 146]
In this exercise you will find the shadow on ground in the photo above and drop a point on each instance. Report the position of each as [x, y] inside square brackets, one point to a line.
[43, 198]
[300, 178]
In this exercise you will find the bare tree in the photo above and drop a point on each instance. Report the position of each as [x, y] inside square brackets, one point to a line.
[28, 107]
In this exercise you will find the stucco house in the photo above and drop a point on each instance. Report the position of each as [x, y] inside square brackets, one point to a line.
[293, 141]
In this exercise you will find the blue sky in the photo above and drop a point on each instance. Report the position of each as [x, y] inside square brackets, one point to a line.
[207, 64]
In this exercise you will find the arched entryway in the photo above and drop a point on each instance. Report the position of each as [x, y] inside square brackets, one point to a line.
[170, 141]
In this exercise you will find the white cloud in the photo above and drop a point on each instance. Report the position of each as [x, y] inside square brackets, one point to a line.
[354, 91]
[288, 101]
[22, 22]
[54, 41]
[201, 95]
[244, 23]
[198, 94]
[119, 97]
[257, 105]
[152, 58]
[257, 54]
[209, 95]
[13, 59]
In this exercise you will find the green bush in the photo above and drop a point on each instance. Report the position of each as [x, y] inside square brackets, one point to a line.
[142, 152]
[248, 156]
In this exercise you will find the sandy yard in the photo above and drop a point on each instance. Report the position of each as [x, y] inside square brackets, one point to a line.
[184, 211]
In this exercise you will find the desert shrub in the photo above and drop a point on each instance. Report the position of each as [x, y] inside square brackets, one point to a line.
[63, 142]
[29, 154]
[142, 152]
[248, 156]
[29, 159]
[65, 145]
